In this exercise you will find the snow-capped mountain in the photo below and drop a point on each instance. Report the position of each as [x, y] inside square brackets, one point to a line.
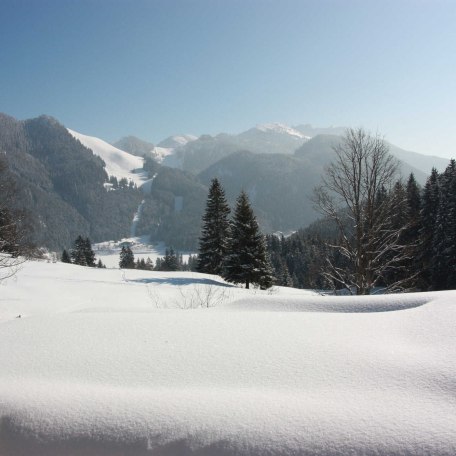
[281, 129]
[119, 163]
[173, 142]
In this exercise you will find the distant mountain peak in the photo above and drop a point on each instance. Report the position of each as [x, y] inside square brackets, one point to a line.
[172, 142]
[281, 129]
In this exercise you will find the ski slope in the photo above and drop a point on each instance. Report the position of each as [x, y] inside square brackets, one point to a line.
[111, 362]
[118, 163]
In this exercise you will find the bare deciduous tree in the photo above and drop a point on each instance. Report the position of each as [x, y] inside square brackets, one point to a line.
[9, 233]
[355, 195]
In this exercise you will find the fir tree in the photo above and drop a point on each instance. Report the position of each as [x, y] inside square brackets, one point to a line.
[78, 252]
[171, 260]
[82, 253]
[215, 232]
[247, 260]
[127, 259]
[65, 258]
[89, 253]
[411, 233]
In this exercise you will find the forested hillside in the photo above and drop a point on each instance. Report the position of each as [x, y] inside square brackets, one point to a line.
[60, 183]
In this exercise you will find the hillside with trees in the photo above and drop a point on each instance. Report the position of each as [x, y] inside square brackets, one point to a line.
[378, 231]
[61, 184]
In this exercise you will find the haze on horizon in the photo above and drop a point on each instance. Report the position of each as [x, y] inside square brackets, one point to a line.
[161, 67]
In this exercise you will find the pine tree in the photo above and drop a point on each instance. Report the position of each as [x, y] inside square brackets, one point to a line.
[215, 232]
[65, 258]
[127, 259]
[247, 260]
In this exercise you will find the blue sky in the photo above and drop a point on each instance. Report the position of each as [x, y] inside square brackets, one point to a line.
[156, 68]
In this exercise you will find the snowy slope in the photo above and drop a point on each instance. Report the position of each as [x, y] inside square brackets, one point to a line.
[109, 362]
[118, 163]
[281, 129]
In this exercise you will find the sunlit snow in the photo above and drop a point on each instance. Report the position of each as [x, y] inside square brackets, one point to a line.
[111, 362]
[282, 129]
[118, 163]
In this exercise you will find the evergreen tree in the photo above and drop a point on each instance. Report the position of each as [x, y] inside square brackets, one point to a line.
[89, 253]
[246, 260]
[127, 259]
[428, 218]
[100, 264]
[65, 258]
[78, 255]
[215, 232]
[171, 260]
[412, 233]
[444, 242]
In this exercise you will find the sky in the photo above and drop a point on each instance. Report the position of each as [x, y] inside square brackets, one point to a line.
[161, 67]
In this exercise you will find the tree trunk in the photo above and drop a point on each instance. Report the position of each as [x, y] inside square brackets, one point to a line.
[247, 284]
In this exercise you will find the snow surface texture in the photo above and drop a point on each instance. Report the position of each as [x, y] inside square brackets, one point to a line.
[111, 362]
[118, 163]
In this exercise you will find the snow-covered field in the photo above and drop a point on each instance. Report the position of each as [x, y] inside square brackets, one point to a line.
[109, 251]
[111, 362]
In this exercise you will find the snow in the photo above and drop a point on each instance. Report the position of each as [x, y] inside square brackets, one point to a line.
[142, 248]
[110, 362]
[118, 163]
[282, 129]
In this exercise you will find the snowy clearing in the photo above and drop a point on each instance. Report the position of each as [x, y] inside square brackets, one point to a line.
[142, 248]
[111, 362]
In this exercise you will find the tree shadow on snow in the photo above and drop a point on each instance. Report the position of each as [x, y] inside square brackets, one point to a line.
[179, 281]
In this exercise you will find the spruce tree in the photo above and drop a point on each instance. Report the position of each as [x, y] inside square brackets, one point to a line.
[428, 218]
[170, 261]
[412, 233]
[127, 259]
[78, 255]
[215, 232]
[444, 246]
[65, 258]
[89, 253]
[246, 260]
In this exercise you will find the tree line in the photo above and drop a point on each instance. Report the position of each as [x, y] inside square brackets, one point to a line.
[378, 232]
[171, 261]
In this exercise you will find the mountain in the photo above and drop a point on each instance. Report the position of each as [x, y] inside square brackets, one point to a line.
[63, 180]
[279, 187]
[118, 163]
[318, 152]
[424, 163]
[61, 184]
[310, 131]
[173, 142]
[263, 139]
[134, 146]
[273, 138]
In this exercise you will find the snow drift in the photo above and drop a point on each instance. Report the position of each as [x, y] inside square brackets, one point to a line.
[110, 362]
